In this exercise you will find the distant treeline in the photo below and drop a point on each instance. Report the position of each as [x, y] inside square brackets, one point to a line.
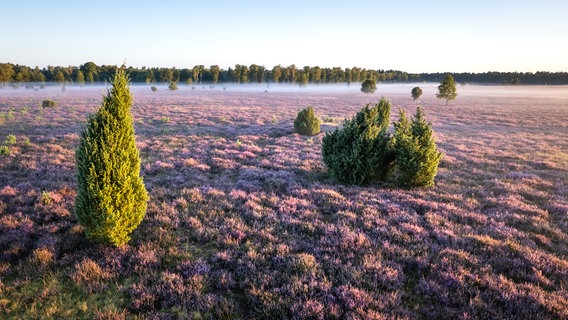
[91, 73]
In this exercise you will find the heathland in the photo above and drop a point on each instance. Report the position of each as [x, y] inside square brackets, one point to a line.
[244, 221]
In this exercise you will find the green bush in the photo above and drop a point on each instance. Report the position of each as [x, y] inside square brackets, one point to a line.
[172, 86]
[4, 151]
[361, 151]
[10, 140]
[364, 151]
[416, 154]
[153, 88]
[111, 198]
[48, 103]
[306, 122]
[369, 86]
[416, 93]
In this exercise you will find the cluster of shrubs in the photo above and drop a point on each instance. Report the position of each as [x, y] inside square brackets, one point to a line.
[364, 151]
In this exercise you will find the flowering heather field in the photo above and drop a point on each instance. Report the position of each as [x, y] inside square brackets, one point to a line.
[244, 222]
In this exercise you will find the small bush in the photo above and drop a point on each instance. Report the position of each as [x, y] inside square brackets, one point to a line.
[361, 151]
[172, 86]
[307, 123]
[369, 86]
[416, 93]
[10, 140]
[4, 151]
[153, 88]
[48, 103]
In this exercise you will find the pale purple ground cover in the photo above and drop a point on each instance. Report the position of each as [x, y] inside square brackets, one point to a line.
[243, 221]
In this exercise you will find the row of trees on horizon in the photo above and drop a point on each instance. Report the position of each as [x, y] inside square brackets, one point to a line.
[89, 72]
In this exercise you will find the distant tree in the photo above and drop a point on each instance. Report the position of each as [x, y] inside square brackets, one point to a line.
[90, 78]
[80, 78]
[196, 72]
[315, 74]
[416, 93]
[6, 72]
[149, 76]
[304, 78]
[290, 73]
[244, 74]
[111, 197]
[447, 89]
[276, 73]
[306, 122]
[215, 71]
[369, 86]
[172, 86]
[90, 70]
[59, 77]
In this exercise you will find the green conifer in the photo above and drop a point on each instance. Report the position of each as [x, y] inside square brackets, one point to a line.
[416, 154]
[306, 122]
[111, 197]
[360, 152]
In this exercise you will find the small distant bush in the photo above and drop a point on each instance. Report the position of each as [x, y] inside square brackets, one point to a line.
[10, 140]
[369, 86]
[172, 86]
[306, 122]
[4, 151]
[416, 93]
[48, 103]
[46, 198]
[153, 88]
[360, 152]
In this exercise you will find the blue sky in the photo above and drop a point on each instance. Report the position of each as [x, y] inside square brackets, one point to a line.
[414, 36]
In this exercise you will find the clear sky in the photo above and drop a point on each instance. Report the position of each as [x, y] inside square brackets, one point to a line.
[413, 36]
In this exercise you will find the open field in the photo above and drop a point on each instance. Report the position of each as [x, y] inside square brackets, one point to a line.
[243, 221]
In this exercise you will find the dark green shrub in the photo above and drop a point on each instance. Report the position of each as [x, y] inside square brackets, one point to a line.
[416, 154]
[306, 122]
[369, 86]
[416, 93]
[111, 197]
[172, 86]
[361, 151]
[153, 88]
[48, 103]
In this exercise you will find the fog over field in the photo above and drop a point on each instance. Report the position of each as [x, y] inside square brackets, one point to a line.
[244, 221]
